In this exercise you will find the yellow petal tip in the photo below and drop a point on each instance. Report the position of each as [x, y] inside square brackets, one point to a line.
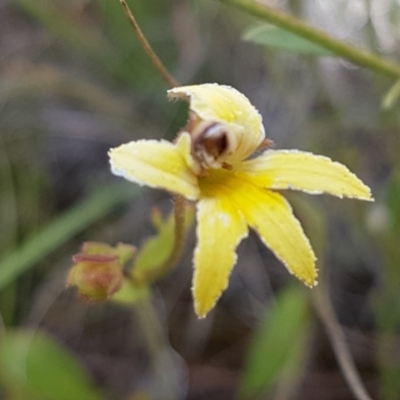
[307, 172]
[204, 304]
[311, 284]
[310, 279]
[202, 311]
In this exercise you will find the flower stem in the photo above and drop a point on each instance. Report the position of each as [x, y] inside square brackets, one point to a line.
[337, 339]
[147, 47]
[300, 28]
[164, 362]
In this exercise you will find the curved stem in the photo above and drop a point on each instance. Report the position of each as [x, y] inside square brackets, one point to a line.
[180, 201]
[147, 47]
[300, 28]
[338, 341]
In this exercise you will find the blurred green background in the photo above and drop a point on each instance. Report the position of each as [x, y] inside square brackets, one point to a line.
[74, 81]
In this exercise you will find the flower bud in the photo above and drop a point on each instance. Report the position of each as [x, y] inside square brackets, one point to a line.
[97, 272]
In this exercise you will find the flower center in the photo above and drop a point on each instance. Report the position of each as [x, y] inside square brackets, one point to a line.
[218, 182]
[212, 142]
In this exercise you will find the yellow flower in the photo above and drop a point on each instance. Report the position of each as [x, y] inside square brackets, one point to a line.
[209, 163]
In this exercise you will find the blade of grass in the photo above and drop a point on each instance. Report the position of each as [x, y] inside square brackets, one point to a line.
[62, 229]
[300, 28]
[275, 346]
[281, 39]
[8, 205]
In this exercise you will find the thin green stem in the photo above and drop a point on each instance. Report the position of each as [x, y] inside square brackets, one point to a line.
[164, 368]
[147, 47]
[300, 28]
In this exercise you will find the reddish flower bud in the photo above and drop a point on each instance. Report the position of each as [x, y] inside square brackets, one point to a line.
[97, 272]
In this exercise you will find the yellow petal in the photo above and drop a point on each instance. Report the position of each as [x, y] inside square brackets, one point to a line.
[183, 145]
[224, 104]
[220, 228]
[270, 215]
[292, 169]
[157, 164]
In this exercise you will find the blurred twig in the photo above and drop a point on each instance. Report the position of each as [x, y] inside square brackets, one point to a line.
[337, 339]
[61, 229]
[180, 202]
[303, 29]
[149, 50]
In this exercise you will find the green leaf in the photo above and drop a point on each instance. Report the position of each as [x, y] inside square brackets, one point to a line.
[276, 345]
[62, 229]
[392, 96]
[389, 379]
[35, 367]
[270, 35]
